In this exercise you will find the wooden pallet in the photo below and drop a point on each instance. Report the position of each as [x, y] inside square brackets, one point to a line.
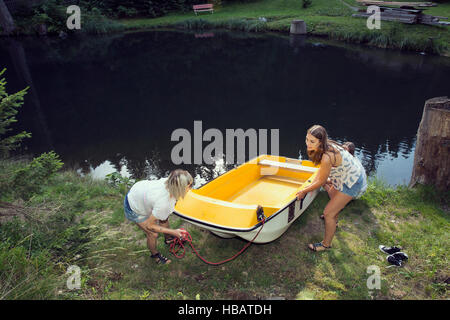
[396, 4]
[409, 19]
[432, 20]
[404, 15]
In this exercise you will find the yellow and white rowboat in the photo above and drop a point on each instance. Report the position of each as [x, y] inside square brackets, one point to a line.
[227, 205]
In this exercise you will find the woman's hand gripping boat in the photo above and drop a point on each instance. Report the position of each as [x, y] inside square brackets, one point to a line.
[228, 205]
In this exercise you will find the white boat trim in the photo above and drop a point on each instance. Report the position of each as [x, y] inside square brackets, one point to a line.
[285, 165]
[233, 229]
[224, 203]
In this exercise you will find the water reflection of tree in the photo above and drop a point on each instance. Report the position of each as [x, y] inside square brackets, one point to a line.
[123, 95]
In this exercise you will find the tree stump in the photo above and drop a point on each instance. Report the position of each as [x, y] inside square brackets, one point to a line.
[298, 27]
[431, 157]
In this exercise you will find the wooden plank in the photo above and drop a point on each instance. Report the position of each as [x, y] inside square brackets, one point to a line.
[397, 4]
[428, 18]
[403, 20]
[392, 14]
[389, 9]
[409, 20]
[401, 9]
[432, 20]
[396, 13]
[437, 17]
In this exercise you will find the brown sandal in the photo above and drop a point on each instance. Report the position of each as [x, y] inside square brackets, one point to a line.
[160, 259]
[316, 245]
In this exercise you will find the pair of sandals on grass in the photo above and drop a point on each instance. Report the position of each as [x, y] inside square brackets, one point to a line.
[395, 255]
[159, 258]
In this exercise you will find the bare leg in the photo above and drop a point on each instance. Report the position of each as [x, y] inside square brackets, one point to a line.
[165, 224]
[331, 192]
[331, 211]
[151, 237]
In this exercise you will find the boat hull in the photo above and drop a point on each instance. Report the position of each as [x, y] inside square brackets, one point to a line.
[274, 227]
[231, 204]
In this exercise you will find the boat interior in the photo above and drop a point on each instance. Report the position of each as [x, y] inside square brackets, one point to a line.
[232, 198]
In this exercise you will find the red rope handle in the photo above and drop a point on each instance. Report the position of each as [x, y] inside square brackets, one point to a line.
[178, 244]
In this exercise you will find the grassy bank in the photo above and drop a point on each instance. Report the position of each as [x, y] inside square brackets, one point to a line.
[326, 18]
[72, 220]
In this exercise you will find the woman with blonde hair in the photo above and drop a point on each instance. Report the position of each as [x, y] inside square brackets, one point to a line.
[346, 174]
[149, 204]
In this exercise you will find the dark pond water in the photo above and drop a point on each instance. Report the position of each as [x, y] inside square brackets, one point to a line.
[111, 103]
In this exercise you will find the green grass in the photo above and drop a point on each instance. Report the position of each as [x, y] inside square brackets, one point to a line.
[75, 220]
[327, 18]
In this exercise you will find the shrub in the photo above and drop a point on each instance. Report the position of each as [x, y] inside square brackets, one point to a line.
[116, 180]
[126, 12]
[94, 22]
[53, 14]
[30, 179]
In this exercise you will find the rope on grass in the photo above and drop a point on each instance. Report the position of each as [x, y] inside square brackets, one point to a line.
[178, 244]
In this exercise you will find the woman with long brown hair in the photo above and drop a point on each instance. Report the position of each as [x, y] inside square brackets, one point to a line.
[346, 174]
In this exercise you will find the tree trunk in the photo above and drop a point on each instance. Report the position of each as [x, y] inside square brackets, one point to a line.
[431, 157]
[6, 20]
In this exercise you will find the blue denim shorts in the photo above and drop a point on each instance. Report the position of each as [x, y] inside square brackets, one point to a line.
[130, 214]
[358, 189]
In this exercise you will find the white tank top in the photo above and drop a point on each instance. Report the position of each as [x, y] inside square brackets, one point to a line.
[347, 172]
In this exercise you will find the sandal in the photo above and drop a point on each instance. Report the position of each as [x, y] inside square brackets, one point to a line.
[317, 245]
[160, 259]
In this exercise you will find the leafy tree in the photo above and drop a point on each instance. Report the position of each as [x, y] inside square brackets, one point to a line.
[8, 110]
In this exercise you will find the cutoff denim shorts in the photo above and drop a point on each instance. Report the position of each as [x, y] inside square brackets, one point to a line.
[130, 214]
[358, 189]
